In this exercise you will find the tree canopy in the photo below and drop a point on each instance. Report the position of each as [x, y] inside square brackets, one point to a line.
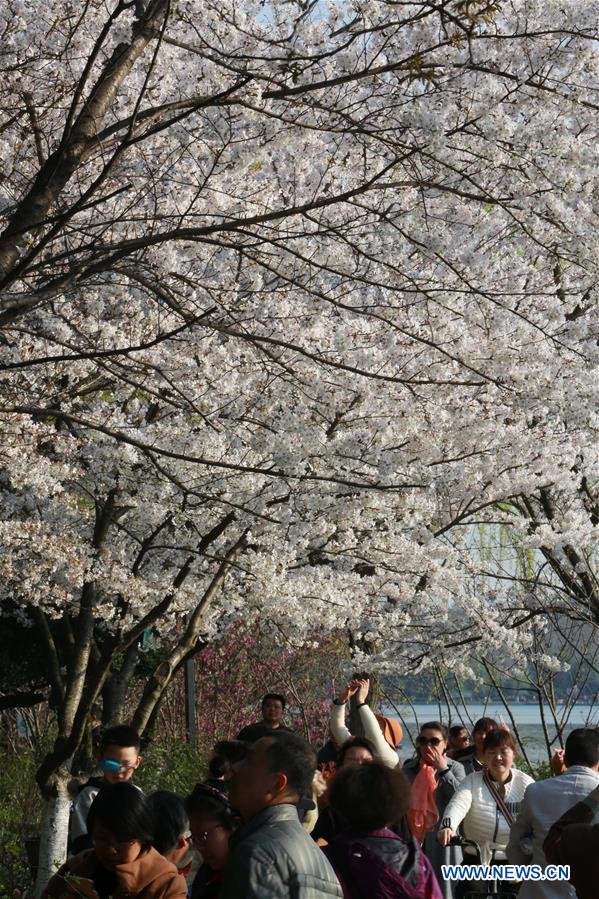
[294, 297]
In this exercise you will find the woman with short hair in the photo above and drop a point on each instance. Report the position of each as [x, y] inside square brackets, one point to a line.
[370, 860]
[487, 802]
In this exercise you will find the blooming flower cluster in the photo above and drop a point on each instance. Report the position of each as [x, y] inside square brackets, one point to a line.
[291, 305]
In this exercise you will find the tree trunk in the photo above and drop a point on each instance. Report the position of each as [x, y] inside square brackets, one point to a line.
[164, 672]
[115, 689]
[55, 828]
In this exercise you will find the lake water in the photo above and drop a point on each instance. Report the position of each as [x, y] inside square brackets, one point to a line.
[526, 717]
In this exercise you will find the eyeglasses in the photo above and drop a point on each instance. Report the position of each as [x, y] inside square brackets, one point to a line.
[199, 839]
[425, 741]
[107, 843]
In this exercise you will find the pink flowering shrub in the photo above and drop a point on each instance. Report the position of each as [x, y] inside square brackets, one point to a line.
[233, 674]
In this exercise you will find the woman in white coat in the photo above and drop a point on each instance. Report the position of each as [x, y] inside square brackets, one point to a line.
[486, 804]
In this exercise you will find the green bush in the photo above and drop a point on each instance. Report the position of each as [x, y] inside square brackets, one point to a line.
[20, 815]
[541, 771]
[171, 765]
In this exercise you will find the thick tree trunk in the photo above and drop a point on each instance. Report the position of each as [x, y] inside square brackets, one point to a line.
[55, 828]
[115, 689]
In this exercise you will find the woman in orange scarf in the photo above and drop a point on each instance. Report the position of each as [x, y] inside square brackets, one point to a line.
[435, 778]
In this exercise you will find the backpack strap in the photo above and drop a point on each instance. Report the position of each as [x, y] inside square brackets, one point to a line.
[497, 797]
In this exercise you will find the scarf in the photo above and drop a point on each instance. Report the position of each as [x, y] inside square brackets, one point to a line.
[423, 813]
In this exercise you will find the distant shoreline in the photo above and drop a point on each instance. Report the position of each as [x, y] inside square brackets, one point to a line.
[526, 716]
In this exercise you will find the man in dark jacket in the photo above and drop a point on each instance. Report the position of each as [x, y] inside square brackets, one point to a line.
[273, 709]
[272, 856]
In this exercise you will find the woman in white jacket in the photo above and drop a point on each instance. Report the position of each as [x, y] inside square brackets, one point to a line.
[382, 732]
[487, 801]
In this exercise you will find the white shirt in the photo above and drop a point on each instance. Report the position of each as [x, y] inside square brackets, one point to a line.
[544, 802]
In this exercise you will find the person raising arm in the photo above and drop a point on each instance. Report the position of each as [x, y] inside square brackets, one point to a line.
[384, 733]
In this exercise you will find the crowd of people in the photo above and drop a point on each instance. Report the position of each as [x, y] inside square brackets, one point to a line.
[271, 819]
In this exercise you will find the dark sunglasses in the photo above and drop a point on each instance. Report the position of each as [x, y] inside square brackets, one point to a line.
[425, 741]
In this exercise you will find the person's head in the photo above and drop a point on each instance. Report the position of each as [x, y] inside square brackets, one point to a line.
[121, 824]
[459, 737]
[273, 708]
[582, 748]
[369, 796]
[118, 754]
[226, 754]
[433, 734]
[211, 821]
[276, 770]
[172, 835]
[355, 751]
[480, 730]
[499, 752]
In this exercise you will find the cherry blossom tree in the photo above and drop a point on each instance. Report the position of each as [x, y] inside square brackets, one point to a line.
[291, 298]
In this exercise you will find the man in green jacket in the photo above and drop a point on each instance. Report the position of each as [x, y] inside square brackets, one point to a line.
[272, 856]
